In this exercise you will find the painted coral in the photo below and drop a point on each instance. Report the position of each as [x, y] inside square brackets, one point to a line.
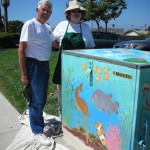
[113, 140]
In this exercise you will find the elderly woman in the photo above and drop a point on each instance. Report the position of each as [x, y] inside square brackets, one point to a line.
[71, 34]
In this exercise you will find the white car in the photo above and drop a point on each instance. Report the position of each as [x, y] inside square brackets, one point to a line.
[134, 44]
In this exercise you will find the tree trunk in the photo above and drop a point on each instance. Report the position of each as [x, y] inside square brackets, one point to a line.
[106, 26]
[98, 25]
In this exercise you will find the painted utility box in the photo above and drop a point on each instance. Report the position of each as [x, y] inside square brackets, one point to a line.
[106, 99]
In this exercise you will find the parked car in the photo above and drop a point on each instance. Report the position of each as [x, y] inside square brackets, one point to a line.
[134, 44]
[106, 39]
[147, 38]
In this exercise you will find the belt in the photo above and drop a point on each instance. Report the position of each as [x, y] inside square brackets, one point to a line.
[35, 60]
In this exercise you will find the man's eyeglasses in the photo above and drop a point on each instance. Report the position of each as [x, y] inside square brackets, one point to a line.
[76, 11]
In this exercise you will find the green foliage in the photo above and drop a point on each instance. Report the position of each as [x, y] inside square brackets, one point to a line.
[148, 35]
[15, 26]
[103, 9]
[8, 40]
[1, 27]
[145, 35]
[11, 86]
[148, 28]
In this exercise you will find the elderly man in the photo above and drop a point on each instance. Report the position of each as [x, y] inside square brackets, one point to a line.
[34, 54]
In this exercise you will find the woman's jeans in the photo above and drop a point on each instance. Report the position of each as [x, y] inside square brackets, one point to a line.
[38, 74]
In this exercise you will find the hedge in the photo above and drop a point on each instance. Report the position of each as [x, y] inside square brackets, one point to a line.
[9, 40]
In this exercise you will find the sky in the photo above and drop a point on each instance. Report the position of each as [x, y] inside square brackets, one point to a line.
[135, 16]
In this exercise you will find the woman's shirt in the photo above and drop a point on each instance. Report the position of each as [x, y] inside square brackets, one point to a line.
[61, 28]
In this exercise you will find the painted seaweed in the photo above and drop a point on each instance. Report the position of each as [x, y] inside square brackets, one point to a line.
[68, 95]
[125, 127]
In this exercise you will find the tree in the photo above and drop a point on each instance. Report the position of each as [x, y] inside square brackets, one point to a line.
[112, 9]
[113, 25]
[93, 8]
[15, 26]
[104, 10]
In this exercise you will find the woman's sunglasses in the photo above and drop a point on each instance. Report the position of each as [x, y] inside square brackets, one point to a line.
[76, 11]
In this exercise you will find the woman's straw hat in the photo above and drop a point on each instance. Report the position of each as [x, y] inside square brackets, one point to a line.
[73, 4]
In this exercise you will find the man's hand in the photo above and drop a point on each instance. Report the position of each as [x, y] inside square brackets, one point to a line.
[25, 80]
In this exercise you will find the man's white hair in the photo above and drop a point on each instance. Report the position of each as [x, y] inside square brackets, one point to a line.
[47, 2]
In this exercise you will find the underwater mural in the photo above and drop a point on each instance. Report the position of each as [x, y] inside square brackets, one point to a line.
[99, 98]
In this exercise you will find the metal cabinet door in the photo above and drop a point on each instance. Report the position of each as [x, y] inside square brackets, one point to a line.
[98, 101]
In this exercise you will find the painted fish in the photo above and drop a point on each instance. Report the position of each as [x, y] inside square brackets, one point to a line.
[80, 102]
[103, 102]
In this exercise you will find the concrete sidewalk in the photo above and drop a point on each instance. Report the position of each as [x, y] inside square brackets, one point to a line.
[10, 125]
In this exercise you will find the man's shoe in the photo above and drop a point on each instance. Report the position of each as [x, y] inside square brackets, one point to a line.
[43, 139]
